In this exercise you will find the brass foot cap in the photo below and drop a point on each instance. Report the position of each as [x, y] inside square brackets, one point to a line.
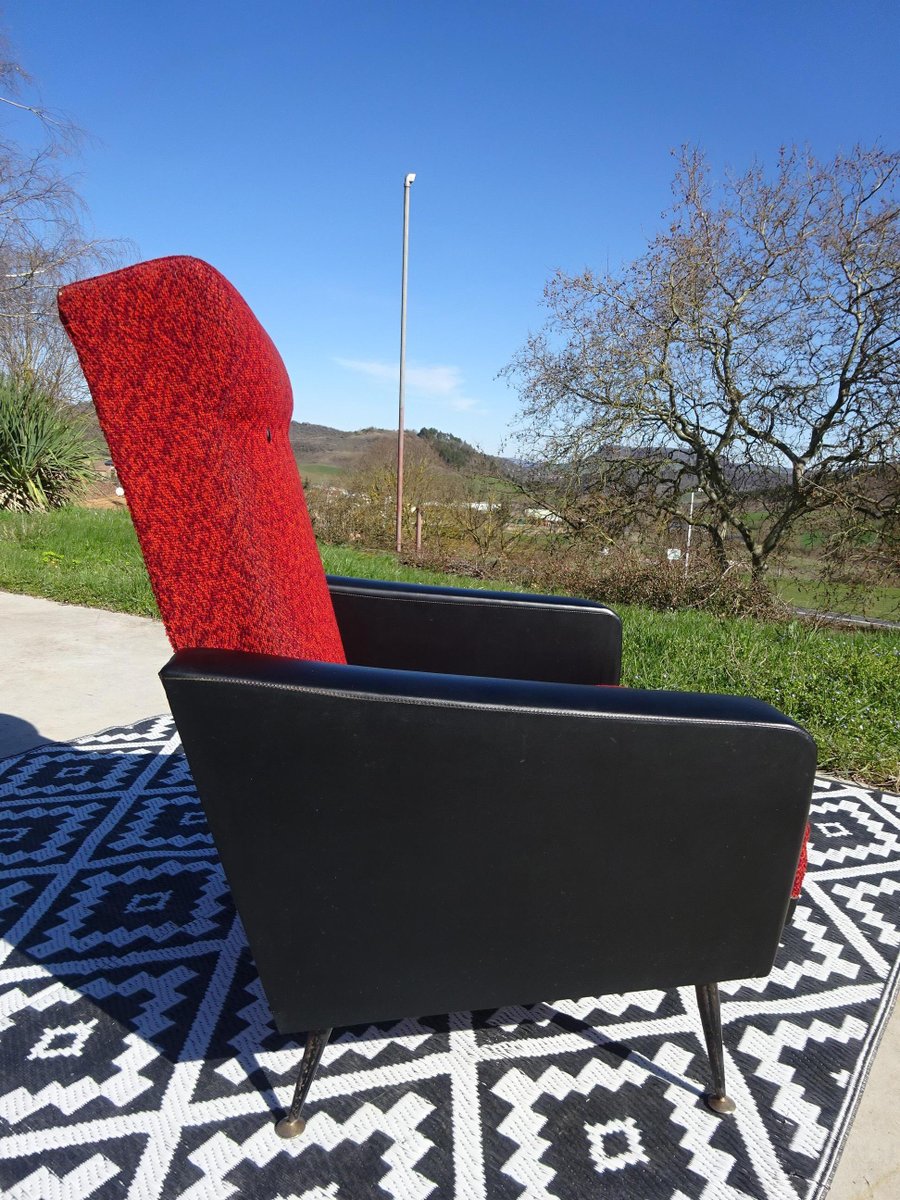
[288, 1127]
[719, 1104]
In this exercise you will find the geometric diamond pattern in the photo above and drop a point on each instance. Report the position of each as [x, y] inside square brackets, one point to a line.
[165, 822]
[135, 905]
[616, 1145]
[138, 1058]
[41, 833]
[64, 1040]
[851, 832]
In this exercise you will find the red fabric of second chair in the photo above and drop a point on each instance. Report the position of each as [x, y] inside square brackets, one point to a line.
[801, 868]
[195, 404]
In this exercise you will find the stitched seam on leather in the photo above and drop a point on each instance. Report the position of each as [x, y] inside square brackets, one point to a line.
[344, 694]
[450, 601]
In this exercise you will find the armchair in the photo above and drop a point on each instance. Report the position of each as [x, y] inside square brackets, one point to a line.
[421, 799]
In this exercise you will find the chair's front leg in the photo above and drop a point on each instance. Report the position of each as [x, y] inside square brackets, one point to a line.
[711, 1017]
[292, 1124]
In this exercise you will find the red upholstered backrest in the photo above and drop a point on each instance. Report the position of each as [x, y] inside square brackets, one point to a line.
[195, 403]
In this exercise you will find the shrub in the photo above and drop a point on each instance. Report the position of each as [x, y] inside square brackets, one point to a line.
[45, 458]
[624, 575]
[478, 533]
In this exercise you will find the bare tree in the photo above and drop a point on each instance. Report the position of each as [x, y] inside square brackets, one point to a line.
[42, 239]
[751, 354]
[425, 476]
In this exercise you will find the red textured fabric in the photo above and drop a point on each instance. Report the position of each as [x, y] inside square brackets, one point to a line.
[801, 867]
[195, 403]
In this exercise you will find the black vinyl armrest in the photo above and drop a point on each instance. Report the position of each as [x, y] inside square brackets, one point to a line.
[399, 842]
[508, 635]
[239, 669]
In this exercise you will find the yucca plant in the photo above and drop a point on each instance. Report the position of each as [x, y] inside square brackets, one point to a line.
[45, 457]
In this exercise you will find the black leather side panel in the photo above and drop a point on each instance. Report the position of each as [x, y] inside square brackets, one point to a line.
[376, 682]
[393, 854]
[504, 634]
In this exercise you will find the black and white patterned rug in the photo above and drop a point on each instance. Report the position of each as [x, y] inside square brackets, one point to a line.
[138, 1059]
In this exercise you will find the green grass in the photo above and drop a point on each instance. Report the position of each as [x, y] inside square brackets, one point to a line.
[92, 557]
[364, 564]
[841, 686]
[77, 555]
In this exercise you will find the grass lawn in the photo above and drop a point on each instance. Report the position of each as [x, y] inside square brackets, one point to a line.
[77, 555]
[841, 686]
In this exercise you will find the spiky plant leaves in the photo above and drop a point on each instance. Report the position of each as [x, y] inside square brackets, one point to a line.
[45, 455]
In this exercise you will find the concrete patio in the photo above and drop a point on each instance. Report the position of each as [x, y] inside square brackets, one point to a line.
[68, 671]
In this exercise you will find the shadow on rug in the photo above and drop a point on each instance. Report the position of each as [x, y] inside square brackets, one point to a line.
[138, 1058]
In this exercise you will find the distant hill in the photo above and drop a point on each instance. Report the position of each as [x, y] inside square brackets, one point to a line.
[340, 451]
[310, 443]
[745, 477]
[329, 447]
[453, 450]
[336, 451]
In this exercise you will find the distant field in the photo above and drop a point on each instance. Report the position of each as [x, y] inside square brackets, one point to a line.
[319, 472]
[881, 602]
[795, 576]
[841, 685]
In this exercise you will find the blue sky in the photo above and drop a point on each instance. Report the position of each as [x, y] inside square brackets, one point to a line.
[272, 139]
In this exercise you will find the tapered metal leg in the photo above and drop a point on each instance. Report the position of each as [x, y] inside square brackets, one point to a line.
[292, 1123]
[711, 1017]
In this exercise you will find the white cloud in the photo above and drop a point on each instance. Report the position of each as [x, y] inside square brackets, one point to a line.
[377, 370]
[434, 382]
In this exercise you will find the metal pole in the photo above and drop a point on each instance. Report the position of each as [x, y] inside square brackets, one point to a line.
[687, 553]
[406, 186]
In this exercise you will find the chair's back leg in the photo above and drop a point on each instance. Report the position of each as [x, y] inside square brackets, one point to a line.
[711, 1016]
[292, 1124]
